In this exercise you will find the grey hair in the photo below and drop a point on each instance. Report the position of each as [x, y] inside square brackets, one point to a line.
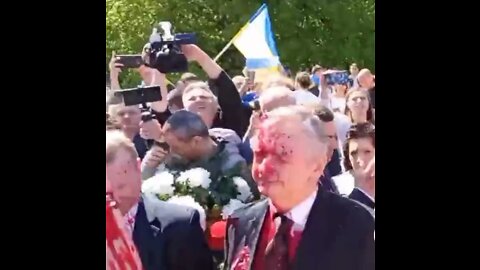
[201, 85]
[310, 121]
[116, 141]
[186, 125]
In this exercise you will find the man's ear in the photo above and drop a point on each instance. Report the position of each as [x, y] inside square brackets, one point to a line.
[320, 166]
[197, 140]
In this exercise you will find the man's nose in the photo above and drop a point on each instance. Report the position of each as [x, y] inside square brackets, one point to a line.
[266, 167]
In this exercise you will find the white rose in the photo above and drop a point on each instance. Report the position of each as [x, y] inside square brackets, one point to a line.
[161, 184]
[232, 205]
[197, 177]
[189, 201]
[243, 188]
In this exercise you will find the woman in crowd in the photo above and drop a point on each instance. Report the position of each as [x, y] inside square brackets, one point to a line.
[358, 182]
[358, 107]
[303, 83]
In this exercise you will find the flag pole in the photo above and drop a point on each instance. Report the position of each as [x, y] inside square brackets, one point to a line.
[223, 50]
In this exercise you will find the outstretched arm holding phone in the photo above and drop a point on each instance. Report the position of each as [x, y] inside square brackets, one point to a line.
[115, 69]
[150, 77]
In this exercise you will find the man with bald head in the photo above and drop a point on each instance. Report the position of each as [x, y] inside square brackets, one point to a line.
[366, 80]
[167, 236]
[299, 225]
[271, 98]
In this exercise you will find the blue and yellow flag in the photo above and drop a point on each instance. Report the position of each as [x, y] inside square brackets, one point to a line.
[255, 41]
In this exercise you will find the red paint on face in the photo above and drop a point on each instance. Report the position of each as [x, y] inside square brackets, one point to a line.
[272, 151]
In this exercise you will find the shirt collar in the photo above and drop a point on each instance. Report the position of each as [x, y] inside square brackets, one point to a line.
[299, 213]
[132, 213]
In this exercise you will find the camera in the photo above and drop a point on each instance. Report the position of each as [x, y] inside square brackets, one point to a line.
[141, 96]
[165, 51]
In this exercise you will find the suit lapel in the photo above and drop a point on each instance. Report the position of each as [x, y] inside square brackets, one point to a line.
[143, 235]
[245, 229]
[255, 223]
[359, 196]
[315, 237]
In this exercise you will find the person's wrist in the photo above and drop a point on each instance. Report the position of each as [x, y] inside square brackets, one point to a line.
[113, 76]
[201, 57]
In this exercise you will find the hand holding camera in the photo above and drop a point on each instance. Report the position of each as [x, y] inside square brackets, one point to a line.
[114, 66]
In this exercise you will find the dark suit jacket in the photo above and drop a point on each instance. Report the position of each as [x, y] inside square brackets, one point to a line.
[172, 239]
[338, 234]
[327, 182]
[333, 168]
[359, 196]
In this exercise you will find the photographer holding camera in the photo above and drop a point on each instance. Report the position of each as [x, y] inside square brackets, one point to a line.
[225, 110]
[222, 113]
[129, 117]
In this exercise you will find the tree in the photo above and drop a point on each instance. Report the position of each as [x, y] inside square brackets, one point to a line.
[329, 32]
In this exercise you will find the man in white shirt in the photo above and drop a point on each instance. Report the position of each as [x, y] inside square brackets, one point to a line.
[302, 95]
[300, 225]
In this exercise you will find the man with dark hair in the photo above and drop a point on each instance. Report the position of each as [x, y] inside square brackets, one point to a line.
[191, 146]
[187, 135]
[333, 166]
[360, 161]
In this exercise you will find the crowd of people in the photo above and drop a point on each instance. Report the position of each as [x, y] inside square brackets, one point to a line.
[298, 151]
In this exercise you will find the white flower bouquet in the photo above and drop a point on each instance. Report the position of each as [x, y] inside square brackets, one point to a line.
[214, 199]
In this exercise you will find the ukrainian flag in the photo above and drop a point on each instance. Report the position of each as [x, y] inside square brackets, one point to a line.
[255, 41]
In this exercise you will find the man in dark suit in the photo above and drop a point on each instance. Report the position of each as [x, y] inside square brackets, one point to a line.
[362, 197]
[360, 160]
[167, 236]
[300, 226]
[333, 166]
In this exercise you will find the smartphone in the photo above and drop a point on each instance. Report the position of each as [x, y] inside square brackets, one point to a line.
[251, 77]
[140, 95]
[336, 77]
[130, 61]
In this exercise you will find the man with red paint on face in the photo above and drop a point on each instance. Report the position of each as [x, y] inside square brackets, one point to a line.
[300, 225]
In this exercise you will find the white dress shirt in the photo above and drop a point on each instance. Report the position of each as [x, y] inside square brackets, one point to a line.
[299, 213]
[346, 183]
[129, 219]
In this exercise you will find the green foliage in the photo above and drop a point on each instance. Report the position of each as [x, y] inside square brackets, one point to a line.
[163, 197]
[222, 190]
[329, 32]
